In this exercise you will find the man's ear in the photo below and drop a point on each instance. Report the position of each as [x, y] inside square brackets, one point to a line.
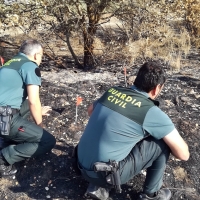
[154, 91]
[35, 56]
[157, 89]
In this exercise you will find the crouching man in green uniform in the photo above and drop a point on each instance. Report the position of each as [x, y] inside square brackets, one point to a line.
[20, 78]
[127, 126]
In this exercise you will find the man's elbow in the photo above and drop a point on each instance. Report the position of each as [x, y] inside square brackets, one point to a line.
[184, 156]
[90, 110]
[33, 102]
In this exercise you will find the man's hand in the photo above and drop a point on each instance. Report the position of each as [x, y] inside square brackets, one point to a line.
[45, 110]
[41, 125]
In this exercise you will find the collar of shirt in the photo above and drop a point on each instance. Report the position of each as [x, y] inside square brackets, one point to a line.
[22, 54]
[139, 91]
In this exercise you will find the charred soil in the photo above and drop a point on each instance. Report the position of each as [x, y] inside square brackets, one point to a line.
[52, 175]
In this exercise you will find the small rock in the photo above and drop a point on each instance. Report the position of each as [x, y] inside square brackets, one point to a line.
[197, 96]
[46, 188]
[168, 102]
[61, 139]
[131, 80]
[143, 172]
[185, 99]
[192, 91]
[195, 109]
[63, 49]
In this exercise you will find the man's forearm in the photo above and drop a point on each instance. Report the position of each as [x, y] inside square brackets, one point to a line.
[183, 155]
[178, 146]
[36, 112]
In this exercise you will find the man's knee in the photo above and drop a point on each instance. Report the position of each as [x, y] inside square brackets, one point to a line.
[48, 140]
[52, 141]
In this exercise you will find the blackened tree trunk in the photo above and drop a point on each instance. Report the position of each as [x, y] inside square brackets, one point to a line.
[88, 35]
[77, 63]
[94, 12]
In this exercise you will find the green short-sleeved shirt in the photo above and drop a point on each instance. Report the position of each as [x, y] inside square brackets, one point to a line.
[110, 135]
[13, 81]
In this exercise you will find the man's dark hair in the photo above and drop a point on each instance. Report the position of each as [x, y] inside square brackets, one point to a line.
[30, 47]
[149, 76]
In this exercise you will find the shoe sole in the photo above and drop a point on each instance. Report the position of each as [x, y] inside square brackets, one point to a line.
[94, 196]
[2, 175]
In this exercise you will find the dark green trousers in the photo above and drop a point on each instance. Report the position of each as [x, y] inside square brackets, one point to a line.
[149, 154]
[28, 139]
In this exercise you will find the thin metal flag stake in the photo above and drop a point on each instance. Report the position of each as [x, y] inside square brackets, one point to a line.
[125, 76]
[76, 114]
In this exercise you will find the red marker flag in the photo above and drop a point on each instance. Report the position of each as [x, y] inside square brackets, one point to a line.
[78, 101]
[2, 61]
[125, 71]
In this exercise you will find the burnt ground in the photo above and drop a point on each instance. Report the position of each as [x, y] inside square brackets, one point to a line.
[52, 175]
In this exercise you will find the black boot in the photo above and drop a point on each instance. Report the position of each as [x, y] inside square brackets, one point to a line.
[7, 170]
[97, 192]
[163, 194]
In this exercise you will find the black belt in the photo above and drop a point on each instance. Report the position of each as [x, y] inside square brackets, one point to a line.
[14, 111]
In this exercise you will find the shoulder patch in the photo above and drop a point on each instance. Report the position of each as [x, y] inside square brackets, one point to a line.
[37, 72]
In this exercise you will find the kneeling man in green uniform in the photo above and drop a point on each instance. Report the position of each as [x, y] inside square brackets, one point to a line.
[126, 133]
[20, 78]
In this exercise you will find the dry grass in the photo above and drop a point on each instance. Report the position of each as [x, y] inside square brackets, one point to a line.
[165, 44]
[161, 42]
